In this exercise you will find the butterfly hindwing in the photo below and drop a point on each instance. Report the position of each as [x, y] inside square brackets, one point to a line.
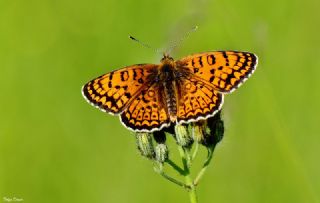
[225, 70]
[197, 100]
[113, 91]
[147, 112]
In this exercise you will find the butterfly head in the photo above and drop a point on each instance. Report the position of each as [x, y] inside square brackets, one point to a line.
[167, 68]
[167, 59]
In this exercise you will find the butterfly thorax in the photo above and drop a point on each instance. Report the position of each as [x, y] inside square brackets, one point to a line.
[167, 73]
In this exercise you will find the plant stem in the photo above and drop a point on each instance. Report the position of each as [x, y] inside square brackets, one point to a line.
[175, 166]
[185, 156]
[173, 180]
[204, 167]
[195, 152]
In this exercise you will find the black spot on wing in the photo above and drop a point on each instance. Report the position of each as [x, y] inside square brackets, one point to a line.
[211, 59]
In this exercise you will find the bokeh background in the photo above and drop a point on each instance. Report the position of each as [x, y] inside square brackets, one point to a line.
[54, 147]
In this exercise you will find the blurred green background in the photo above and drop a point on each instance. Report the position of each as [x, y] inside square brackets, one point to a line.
[54, 147]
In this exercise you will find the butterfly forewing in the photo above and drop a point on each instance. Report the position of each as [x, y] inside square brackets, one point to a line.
[225, 70]
[113, 91]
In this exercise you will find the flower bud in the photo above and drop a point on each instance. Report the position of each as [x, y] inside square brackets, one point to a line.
[182, 135]
[159, 137]
[145, 146]
[213, 131]
[197, 131]
[161, 153]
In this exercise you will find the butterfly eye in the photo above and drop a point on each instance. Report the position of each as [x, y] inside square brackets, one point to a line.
[157, 78]
[178, 74]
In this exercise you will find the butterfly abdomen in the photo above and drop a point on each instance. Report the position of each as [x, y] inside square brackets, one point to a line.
[171, 100]
[167, 74]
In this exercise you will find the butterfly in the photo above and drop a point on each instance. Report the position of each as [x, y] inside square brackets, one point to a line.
[149, 97]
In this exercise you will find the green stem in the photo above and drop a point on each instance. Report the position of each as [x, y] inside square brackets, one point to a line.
[175, 166]
[204, 167]
[185, 156]
[196, 139]
[195, 152]
[160, 171]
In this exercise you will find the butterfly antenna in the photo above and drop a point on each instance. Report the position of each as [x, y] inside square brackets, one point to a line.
[144, 44]
[178, 42]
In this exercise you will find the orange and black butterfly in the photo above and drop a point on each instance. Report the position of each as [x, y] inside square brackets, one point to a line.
[149, 97]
